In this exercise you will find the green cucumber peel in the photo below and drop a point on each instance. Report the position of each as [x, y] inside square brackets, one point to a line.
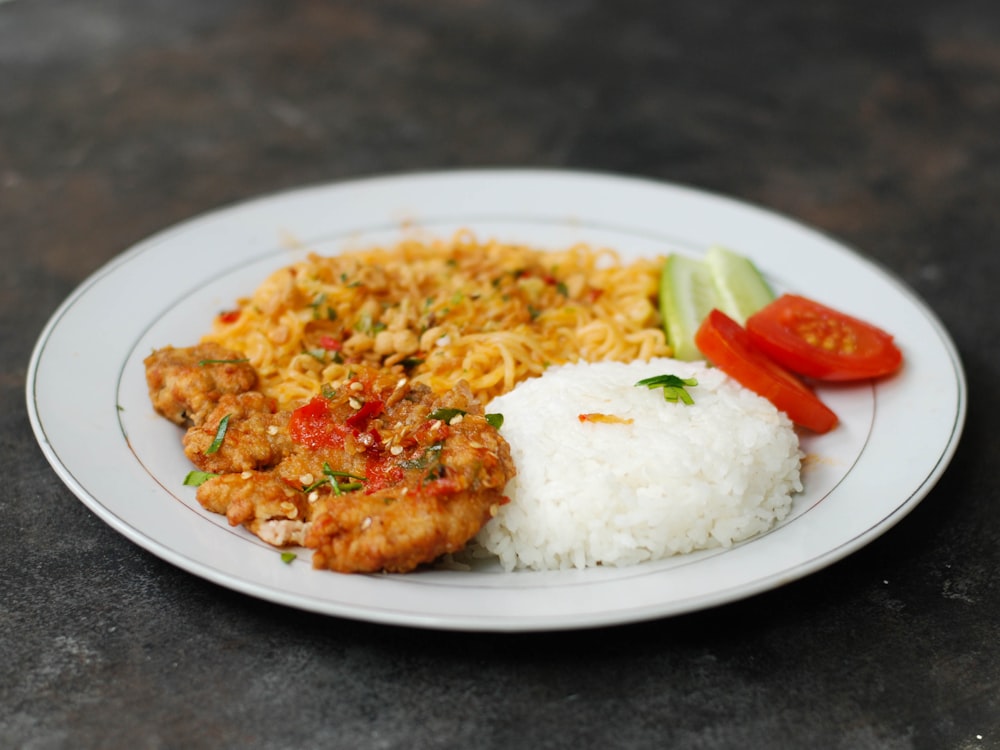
[691, 288]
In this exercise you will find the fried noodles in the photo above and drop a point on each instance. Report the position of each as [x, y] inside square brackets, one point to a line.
[487, 312]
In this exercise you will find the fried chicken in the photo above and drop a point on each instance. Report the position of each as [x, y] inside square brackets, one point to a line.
[375, 475]
[254, 435]
[449, 467]
[184, 384]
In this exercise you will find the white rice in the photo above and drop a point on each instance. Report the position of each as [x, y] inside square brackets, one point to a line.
[677, 478]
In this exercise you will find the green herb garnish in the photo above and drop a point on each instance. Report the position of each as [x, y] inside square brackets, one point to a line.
[446, 414]
[436, 473]
[287, 557]
[220, 435]
[495, 421]
[673, 387]
[332, 478]
[431, 453]
[368, 325]
[317, 302]
[198, 478]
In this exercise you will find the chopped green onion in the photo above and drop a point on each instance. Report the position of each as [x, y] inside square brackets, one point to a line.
[331, 473]
[673, 387]
[198, 478]
[338, 487]
[436, 473]
[220, 435]
[431, 452]
[445, 414]
[368, 325]
[287, 557]
[495, 420]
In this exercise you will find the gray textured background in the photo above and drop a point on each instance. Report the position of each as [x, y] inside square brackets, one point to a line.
[876, 122]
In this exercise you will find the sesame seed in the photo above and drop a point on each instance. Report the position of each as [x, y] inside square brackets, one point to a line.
[356, 386]
[396, 450]
[366, 523]
[355, 404]
[246, 475]
[313, 496]
[457, 419]
[272, 430]
[306, 479]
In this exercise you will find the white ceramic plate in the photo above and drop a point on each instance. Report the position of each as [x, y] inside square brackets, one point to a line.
[91, 415]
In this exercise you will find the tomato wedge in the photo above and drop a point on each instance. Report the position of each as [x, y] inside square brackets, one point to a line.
[728, 346]
[817, 341]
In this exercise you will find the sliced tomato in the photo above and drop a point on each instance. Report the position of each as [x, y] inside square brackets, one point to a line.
[817, 341]
[728, 346]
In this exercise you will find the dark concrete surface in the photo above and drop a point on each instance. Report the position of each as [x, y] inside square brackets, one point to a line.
[876, 122]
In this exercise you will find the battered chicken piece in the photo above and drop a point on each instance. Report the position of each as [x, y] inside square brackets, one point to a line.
[184, 384]
[255, 435]
[269, 507]
[380, 475]
[449, 491]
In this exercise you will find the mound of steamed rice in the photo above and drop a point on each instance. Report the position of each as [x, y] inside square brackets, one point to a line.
[667, 479]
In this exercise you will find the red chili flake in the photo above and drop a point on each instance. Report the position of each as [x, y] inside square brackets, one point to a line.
[441, 486]
[381, 472]
[606, 418]
[312, 425]
[229, 316]
[359, 419]
[330, 343]
[428, 433]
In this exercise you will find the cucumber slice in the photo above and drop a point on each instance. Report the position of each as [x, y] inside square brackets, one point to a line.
[740, 287]
[687, 295]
